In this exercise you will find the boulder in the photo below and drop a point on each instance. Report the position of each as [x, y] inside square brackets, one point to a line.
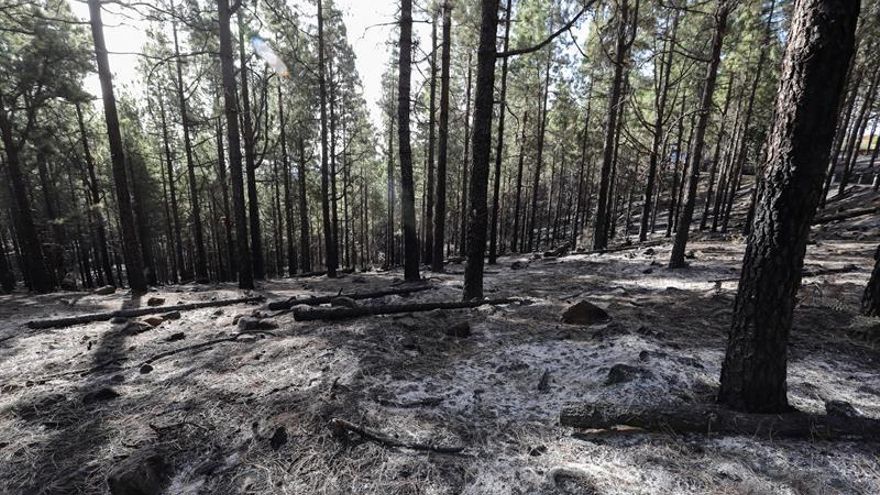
[154, 321]
[623, 373]
[155, 301]
[585, 313]
[105, 290]
[140, 474]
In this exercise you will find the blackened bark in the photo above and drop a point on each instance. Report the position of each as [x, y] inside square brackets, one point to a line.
[542, 129]
[820, 43]
[133, 262]
[442, 146]
[515, 245]
[331, 260]
[304, 235]
[224, 193]
[465, 160]
[288, 192]
[390, 247]
[695, 159]
[428, 248]
[871, 297]
[201, 258]
[716, 156]
[172, 194]
[407, 192]
[499, 149]
[482, 139]
[230, 103]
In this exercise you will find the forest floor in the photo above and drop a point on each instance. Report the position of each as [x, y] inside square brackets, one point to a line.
[252, 415]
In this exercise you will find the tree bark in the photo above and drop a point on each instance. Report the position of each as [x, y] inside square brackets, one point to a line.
[428, 247]
[820, 45]
[465, 160]
[499, 149]
[133, 262]
[482, 135]
[695, 159]
[331, 260]
[230, 103]
[871, 297]
[515, 243]
[542, 129]
[305, 253]
[442, 145]
[407, 191]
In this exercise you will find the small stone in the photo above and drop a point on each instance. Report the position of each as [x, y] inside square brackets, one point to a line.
[518, 265]
[644, 356]
[460, 330]
[100, 395]
[117, 378]
[140, 475]
[344, 302]
[136, 327]
[146, 368]
[623, 373]
[173, 315]
[690, 255]
[248, 323]
[176, 336]
[155, 301]
[154, 321]
[117, 320]
[841, 409]
[649, 252]
[105, 290]
[536, 451]
[279, 438]
[585, 313]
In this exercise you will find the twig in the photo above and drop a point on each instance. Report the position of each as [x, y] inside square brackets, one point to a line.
[340, 426]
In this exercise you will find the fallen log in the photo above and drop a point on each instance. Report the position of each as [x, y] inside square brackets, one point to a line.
[388, 309]
[806, 273]
[132, 313]
[712, 418]
[318, 300]
[851, 213]
[625, 247]
[340, 427]
[202, 345]
[321, 273]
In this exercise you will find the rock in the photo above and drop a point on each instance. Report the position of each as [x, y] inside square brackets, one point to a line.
[105, 290]
[249, 323]
[101, 395]
[174, 315]
[623, 373]
[344, 302]
[649, 252]
[841, 409]
[146, 369]
[644, 356]
[155, 301]
[460, 330]
[68, 283]
[536, 451]
[154, 321]
[585, 313]
[140, 474]
[518, 265]
[136, 327]
[690, 255]
[279, 438]
[117, 378]
[175, 337]
[117, 320]
[648, 271]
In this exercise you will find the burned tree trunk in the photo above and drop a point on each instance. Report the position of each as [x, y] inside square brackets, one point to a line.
[407, 192]
[331, 258]
[820, 45]
[515, 246]
[442, 146]
[871, 297]
[133, 262]
[499, 149]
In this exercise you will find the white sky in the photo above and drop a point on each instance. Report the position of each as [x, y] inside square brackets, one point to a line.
[367, 22]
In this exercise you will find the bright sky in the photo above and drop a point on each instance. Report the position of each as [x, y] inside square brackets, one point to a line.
[367, 22]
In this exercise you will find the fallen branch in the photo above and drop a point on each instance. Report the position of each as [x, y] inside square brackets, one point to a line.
[321, 273]
[201, 345]
[852, 213]
[711, 418]
[131, 313]
[805, 273]
[318, 300]
[388, 309]
[341, 426]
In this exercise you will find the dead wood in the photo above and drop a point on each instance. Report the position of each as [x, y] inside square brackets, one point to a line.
[340, 427]
[318, 300]
[711, 418]
[321, 273]
[131, 313]
[851, 213]
[388, 309]
[805, 273]
[202, 345]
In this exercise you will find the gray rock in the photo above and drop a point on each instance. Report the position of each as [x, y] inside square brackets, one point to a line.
[105, 290]
[140, 474]
[154, 321]
[623, 373]
[155, 301]
[585, 313]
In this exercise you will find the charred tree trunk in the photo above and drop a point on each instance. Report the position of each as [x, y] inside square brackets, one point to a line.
[305, 253]
[465, 160]
[172, 194]
[428, 247]
[133, 261]
[230, 103]
[407, 191]
[820, 45]
[331, 260]
[542, 129]
[515, 243]
[442, 145]
[482, 136]
[499, 149]
[288, 192]
[722, 11]
[249, 135]
[871, 297]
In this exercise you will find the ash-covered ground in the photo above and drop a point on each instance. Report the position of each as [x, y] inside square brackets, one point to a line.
[251, 413]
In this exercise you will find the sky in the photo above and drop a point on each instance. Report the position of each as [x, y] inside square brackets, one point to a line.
[367, 22]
